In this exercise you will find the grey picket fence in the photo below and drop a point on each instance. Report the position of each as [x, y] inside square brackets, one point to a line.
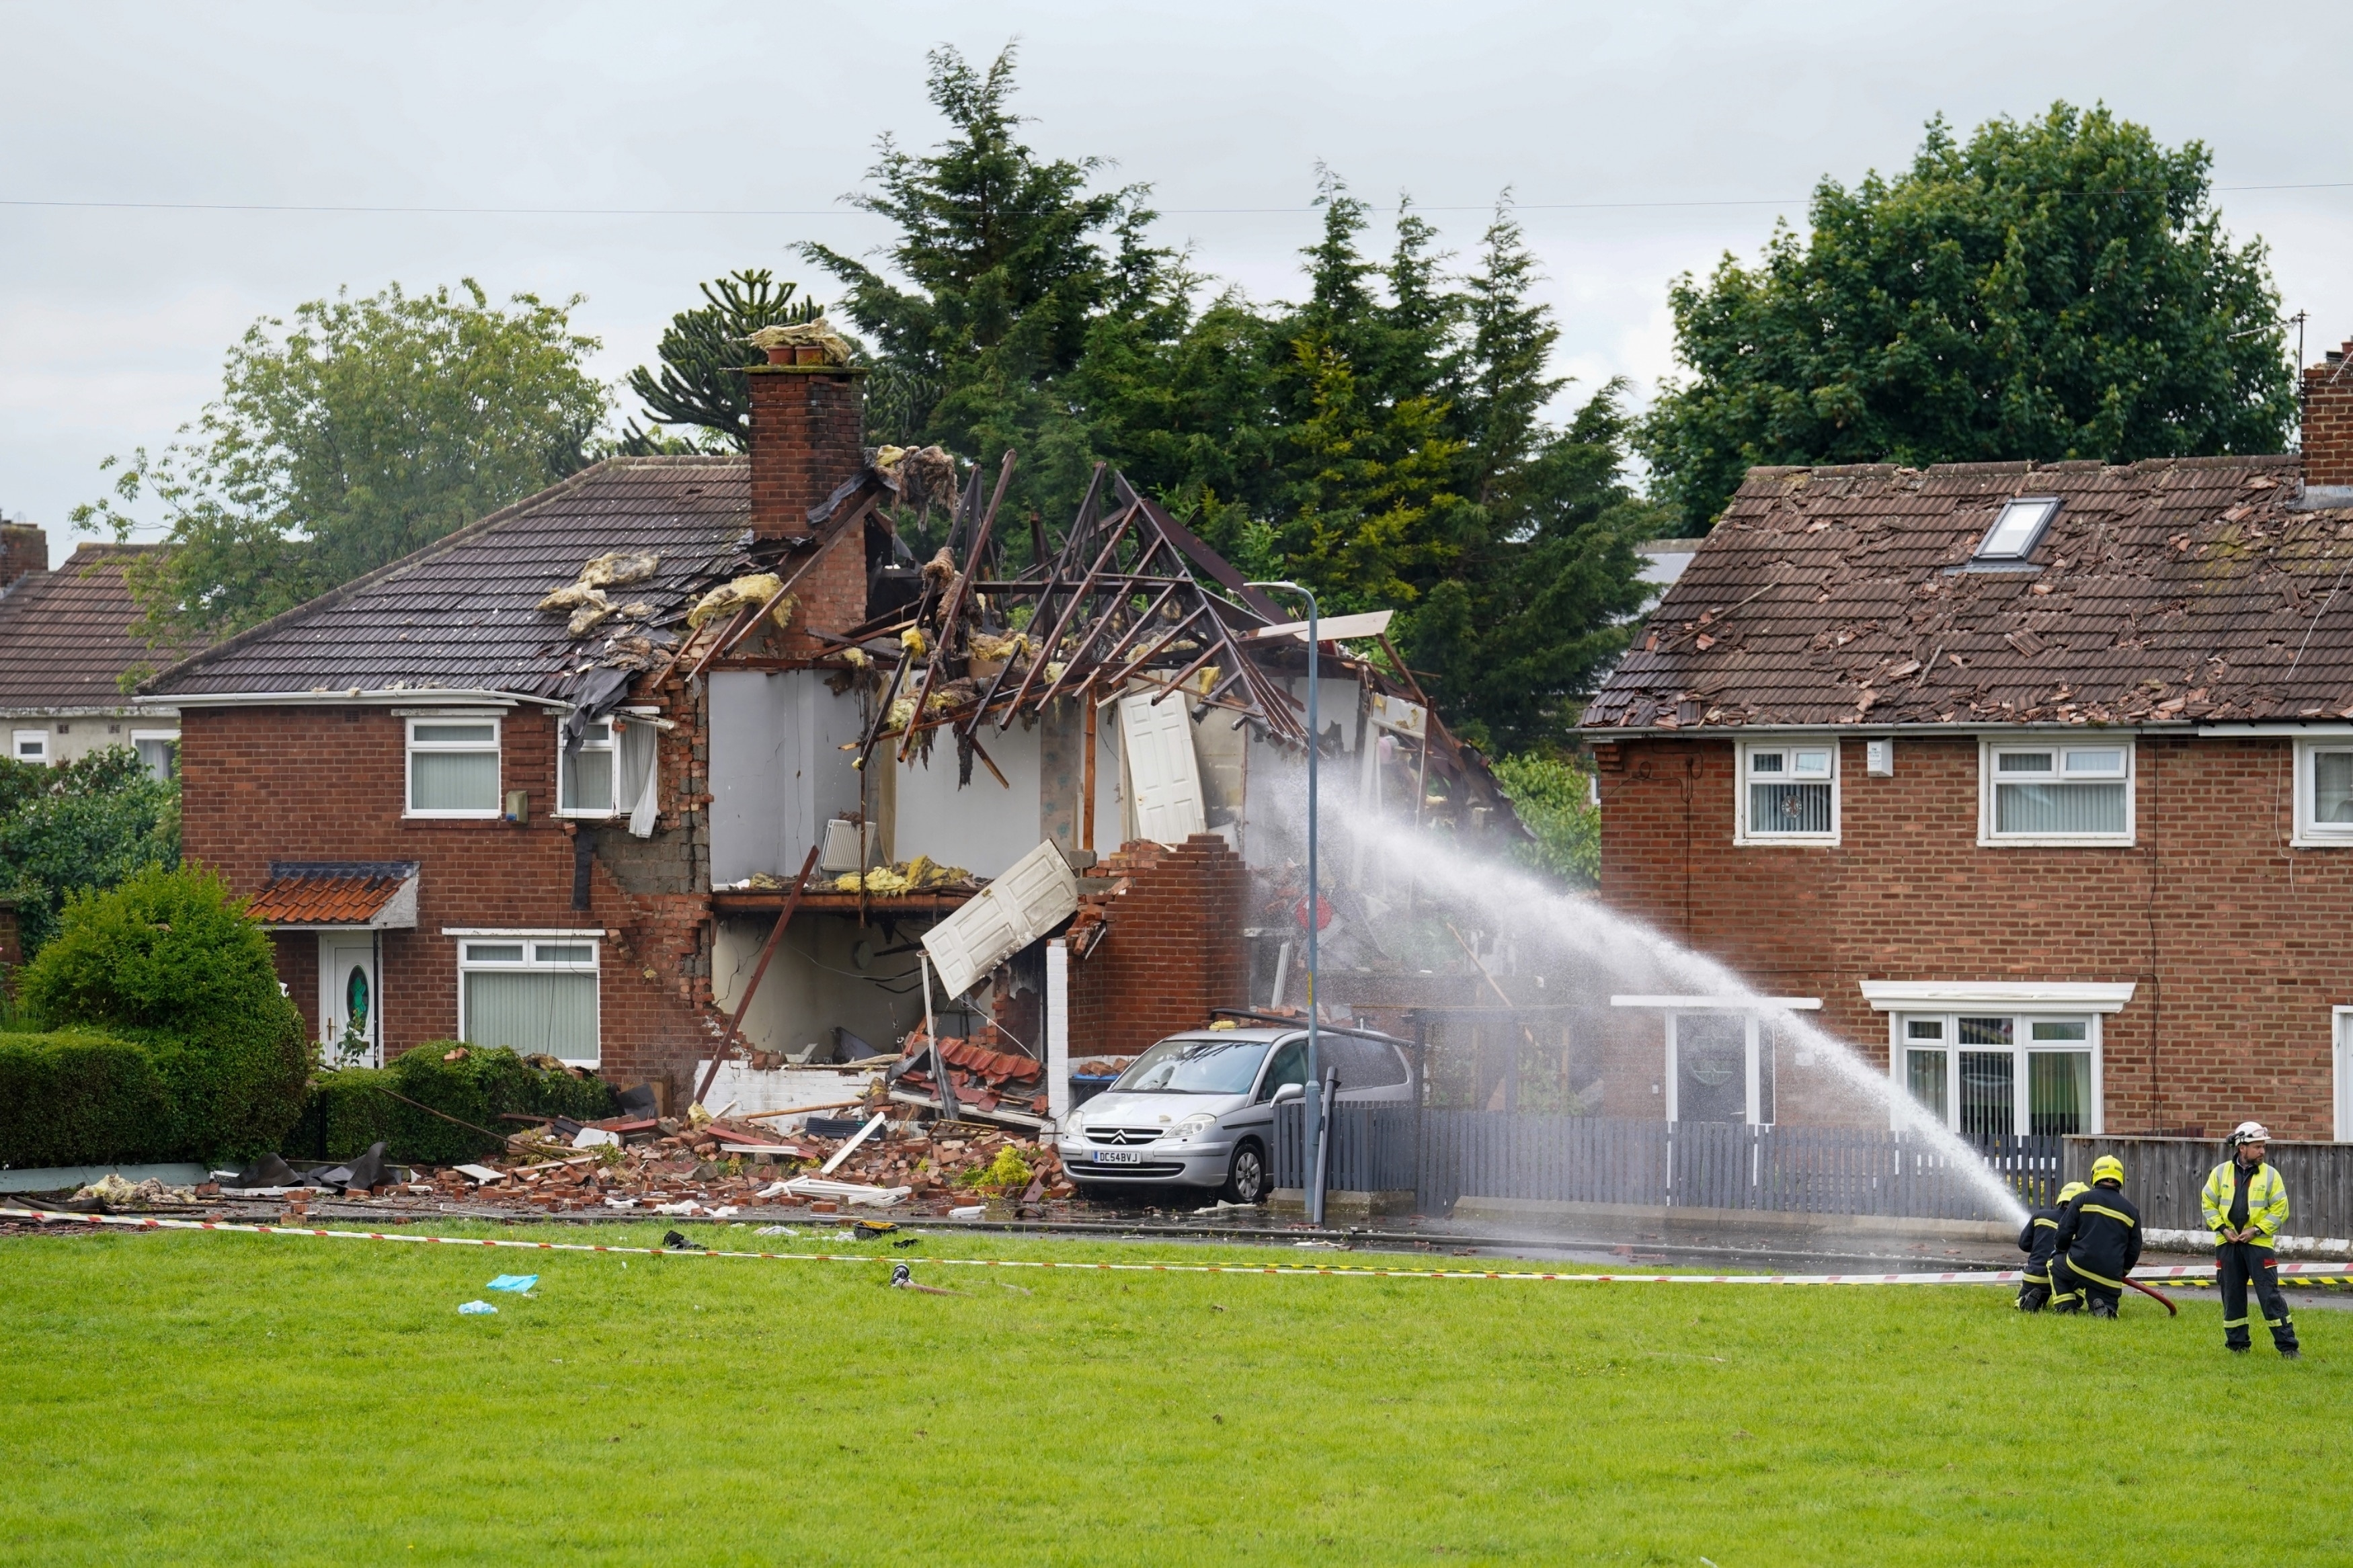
[1445, 1156]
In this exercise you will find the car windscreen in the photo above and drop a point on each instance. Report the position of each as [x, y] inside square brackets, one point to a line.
[1194, 1065]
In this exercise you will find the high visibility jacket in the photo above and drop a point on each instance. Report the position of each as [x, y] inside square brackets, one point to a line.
[2040, 1235]
[2266, 1202]
[2099, 1235]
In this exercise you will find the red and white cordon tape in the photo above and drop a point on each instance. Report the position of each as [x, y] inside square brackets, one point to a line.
[2187, 1273]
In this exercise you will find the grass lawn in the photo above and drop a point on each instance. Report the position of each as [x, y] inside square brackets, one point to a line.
[192, 1399]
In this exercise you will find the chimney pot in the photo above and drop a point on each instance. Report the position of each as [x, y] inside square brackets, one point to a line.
[781, 354]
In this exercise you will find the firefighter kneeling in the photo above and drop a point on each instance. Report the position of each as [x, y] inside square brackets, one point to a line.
[2096, 1245]
[2037, 1241]
[2245, 1203]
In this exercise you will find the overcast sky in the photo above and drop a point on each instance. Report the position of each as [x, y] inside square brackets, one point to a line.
[1640, 140]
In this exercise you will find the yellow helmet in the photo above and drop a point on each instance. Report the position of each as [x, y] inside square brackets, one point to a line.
[2071, 1192]
[2108, 1168]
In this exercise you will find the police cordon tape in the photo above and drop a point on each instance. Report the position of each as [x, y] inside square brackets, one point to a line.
[2193, 1273]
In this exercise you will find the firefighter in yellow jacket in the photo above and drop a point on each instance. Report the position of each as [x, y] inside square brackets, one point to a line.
[2245, 1203]
[2096, 1246]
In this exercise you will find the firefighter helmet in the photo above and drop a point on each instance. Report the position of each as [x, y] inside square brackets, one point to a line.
[2250, 1133]
[2107, 1168]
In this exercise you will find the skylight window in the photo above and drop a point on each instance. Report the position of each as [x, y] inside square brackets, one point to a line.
[2015, 533]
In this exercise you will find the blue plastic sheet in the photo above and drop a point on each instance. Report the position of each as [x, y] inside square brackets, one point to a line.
[518, 1283]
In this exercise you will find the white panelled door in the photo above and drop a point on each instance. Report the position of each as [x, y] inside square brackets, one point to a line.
[1163, 777]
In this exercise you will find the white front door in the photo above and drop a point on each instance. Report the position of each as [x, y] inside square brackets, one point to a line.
[347, 999]
[2345, 1075]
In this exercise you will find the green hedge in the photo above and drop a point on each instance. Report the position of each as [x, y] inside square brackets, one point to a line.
[169, 960]
[81, 1100]
[349, 1109]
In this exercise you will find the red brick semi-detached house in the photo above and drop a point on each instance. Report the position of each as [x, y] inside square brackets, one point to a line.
[517, 789]
[2039, 778]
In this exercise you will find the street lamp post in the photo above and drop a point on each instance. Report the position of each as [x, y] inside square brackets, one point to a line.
[1312, 1103]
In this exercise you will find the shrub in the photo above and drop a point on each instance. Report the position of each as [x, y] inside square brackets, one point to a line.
[81, 1100]
[349, 1109]
[1553, 797]
[169, 960]
[85, 824]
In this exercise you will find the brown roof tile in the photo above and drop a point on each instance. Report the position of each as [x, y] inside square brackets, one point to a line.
[461, 614]
[328, 895]
[2167, 589]
[65, 637]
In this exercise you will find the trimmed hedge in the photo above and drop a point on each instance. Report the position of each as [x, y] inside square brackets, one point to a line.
[81, 1100]
[349, 1109]
[168, 959]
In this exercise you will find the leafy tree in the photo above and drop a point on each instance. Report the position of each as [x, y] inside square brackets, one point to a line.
[84, 825]
[2051, 289]
[703, 355]
[367, 429]
[1553, 796]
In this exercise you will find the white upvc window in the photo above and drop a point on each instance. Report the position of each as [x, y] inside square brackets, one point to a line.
[1787, 793]
[2323, 792]
[585, 777]
[30, 746]
[159, 752]
[2342, 1020]
[1989, 1075]
[535, 995]
[453, 767]
[2055, 792]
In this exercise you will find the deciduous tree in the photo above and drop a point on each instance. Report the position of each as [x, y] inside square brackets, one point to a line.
[2051, 289]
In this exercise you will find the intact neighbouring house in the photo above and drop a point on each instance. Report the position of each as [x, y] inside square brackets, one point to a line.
[2037, 777]
[385, 771]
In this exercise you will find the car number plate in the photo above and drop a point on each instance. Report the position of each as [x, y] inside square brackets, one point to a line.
[1119, 1156]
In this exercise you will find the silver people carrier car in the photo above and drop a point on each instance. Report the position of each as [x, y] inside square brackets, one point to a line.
[1197, 1108]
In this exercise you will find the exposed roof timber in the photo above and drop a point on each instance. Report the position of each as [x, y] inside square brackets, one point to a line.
[1129, 597]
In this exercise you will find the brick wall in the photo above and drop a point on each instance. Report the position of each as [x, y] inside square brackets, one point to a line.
[2328, 419]
[1174, 948]
[23, 549]
[807, 430]
[328, 783]
[2239, 944]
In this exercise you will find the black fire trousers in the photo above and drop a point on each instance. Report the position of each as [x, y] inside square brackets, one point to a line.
[2072, 1292]
[2236, 1265]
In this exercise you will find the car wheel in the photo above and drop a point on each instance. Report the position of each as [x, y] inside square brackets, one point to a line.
[1246, 1177]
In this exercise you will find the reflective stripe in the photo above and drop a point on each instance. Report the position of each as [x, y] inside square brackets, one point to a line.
[2234, 1322]
[2112, 1213]
[2051, 1223]
[2096, 1279]
[2035, 1279]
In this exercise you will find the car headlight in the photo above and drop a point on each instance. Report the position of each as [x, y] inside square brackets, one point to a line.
[1197, 1125]
[1072, 1125]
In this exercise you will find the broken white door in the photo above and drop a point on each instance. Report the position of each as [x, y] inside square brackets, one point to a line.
[1037, 893]
[1163, 777]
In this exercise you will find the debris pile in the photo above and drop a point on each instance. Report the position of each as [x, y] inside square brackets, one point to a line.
[585, 597]
[920, 874]
[983, 1080]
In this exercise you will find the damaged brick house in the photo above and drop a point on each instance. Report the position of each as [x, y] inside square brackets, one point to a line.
[550, 782]
[2036, 779]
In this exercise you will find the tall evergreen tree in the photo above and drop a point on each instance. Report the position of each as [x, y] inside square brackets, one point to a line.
[703, 354]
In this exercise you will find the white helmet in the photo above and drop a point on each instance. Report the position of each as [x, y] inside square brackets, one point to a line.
[2250, 1133]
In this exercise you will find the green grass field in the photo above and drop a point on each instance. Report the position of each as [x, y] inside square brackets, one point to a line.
[191, 1399]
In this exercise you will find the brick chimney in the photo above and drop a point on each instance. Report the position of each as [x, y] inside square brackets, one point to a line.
[807, 430]
[2328, 420]
[24, 550]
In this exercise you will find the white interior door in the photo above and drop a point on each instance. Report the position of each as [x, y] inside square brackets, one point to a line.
[348, 1003]
[1163, 776]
